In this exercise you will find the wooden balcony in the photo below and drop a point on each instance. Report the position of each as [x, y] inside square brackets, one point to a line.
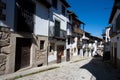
[77, 30]
[112, 34]
[60, 36]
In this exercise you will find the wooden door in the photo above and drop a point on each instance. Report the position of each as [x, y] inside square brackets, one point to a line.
[115, 57]
[25, 56]
[68, 55]
[22, 53]
[60, 50]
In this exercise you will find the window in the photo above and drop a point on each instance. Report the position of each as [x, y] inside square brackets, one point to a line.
[2, 6]
[54, 3]
[68, 40]
[57, 28]
[42, 44]
[52, 45]
[63, 10]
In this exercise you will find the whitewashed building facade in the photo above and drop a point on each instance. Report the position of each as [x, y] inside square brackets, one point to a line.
[115, 34]
[57, 31]
[74, 34]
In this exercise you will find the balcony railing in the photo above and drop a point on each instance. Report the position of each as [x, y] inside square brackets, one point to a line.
[77, 30]
[113, 32]
[53, 34]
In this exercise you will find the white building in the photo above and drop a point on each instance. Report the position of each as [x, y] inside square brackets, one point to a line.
[74, 34]
[107, 37]
[57, 31]
[115, 34]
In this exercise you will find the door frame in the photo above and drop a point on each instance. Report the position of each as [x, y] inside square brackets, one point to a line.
[60, 51]
[18, 53]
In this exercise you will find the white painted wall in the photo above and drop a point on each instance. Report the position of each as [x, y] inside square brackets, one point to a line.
[53, 57]
[9, 12]
[108, 34]
[57, 15]
[41, 20]
[114, 39]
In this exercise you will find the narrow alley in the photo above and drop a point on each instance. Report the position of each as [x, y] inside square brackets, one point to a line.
[89, 69]
[59, 40]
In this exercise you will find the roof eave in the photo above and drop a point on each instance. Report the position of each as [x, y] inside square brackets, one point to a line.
[65, 3]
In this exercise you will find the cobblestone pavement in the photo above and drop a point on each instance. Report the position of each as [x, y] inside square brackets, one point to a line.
[90, 69]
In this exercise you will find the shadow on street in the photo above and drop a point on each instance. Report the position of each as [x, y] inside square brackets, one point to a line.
[102, 70]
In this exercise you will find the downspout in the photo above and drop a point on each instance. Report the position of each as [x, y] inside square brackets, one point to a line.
[48, 46]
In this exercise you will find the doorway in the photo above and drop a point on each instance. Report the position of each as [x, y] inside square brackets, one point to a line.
[60, 50]
[22, 57]
[115, 55]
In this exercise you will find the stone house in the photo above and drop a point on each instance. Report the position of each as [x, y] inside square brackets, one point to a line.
[23, 44]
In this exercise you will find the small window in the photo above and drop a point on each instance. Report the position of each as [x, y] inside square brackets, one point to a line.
[42, 44]
[57, 28]
[54, 3]
[52, 45]
[68, 40]
[63, 10]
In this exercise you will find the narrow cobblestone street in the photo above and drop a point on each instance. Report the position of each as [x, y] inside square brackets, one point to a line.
[90, 69]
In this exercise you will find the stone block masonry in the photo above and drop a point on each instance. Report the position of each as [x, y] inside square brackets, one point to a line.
[4, 48]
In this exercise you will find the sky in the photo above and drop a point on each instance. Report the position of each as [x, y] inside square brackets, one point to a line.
[94, 13]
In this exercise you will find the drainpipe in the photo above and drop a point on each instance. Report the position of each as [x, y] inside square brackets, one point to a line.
[48, 46]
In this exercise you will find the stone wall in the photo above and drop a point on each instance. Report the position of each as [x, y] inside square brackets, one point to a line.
[41, 55]
[4, 48]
